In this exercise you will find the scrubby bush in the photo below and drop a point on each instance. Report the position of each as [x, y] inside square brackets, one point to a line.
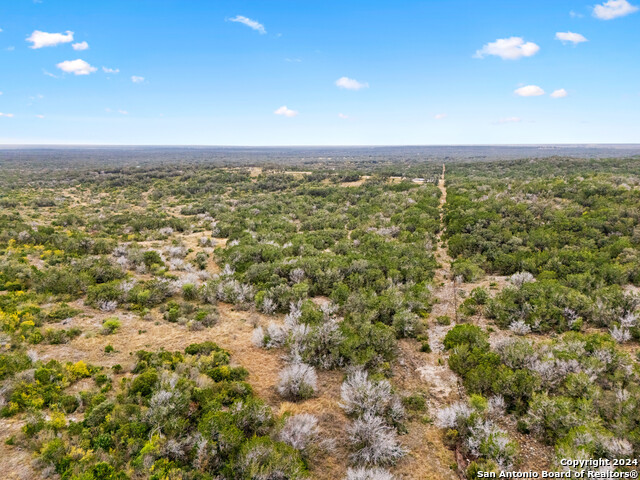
[520, 278]
[467, 270]
[415, 402]
[189, 291]
[301, 432]
[110, 326]
[169, 420]
[60, 336]
[407, 324]
[475, 467]
[373, 442]
[519, 327]
[369, 346]
[320, 345]
[151, 258]
[470, 335]
[298, 381]
[360, 396]
[471, 429]
[480, 295]
[553, 417]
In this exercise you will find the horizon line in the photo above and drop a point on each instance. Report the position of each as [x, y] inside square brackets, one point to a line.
[198, 145]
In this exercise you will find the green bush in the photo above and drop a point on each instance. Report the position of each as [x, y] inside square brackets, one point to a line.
[151, 258]
[189, 291]
[470, 335]
[144, 383]
[261, 457]
[468, 270]
[110, 326]
[204, 348]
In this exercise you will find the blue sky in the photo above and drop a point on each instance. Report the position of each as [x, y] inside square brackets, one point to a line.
[338, 73]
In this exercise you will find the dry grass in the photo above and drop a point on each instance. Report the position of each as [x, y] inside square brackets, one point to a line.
[15, 462]
[192, 241]
[330, 464]
[357, 183]
[297, 174]
[255, 172]
[233, 332]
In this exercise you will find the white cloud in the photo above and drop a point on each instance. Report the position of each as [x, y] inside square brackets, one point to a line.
[510, 48]
[110, 70]
[8, 115]
[573, 14]
[80, 46]
[39, 116]
[43, 39]
[257, 26]
[10, 48]
[293, 60]
[440, 116]
[566, 37]
[529, 91]
[350, 83]
[136, 79]
[560, 93]
[77, 67]
[287, 112]
[613, 9]
[508, 120]
[49, 74]
[343, 116]
[123, 112]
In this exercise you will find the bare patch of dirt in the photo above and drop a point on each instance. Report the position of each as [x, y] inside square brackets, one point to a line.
[15, 462]
[633, 289]
[429, 458]
[36, 261]
[321, 300]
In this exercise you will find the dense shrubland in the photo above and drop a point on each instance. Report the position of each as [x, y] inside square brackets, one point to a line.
[185, 415]
[344, 266]
[288, 238]
[575, 231]
[167, 243]
[566, 235]
[578, 392]
[368, 249]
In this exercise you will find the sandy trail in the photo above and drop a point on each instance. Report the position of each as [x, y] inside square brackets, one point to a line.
[429, 374]
[434, 370]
